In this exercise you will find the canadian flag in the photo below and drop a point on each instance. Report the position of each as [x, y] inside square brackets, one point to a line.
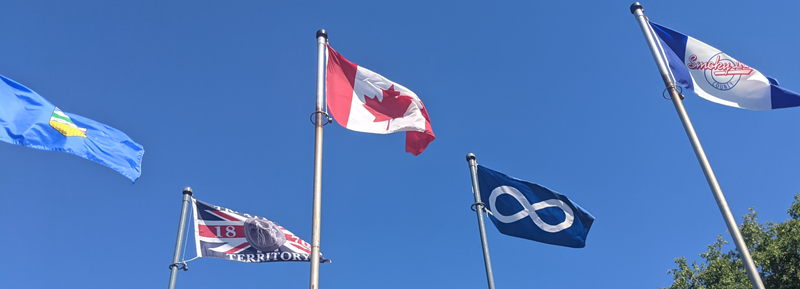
[362, 100]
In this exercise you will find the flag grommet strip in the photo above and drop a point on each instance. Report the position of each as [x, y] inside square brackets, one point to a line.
[677, 87]
[328, 118]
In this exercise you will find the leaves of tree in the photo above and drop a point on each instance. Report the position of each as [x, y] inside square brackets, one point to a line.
[775, 248]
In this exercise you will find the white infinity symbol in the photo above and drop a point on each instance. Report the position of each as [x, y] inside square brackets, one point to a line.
[530, 210]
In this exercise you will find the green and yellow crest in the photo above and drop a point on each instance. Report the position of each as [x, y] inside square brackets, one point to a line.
[63, 124]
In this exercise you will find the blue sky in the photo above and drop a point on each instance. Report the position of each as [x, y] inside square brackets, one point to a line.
[564, 94]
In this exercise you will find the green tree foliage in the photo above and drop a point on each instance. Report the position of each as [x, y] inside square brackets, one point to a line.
[775, 248]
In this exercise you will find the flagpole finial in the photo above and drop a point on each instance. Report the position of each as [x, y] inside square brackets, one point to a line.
[470, 156]
[634, 7]
[187, 191]
[322, 33]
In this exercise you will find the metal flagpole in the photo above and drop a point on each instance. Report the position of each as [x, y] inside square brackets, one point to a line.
[656, 50]
[478, 208]
[187, 195]
[319, 121]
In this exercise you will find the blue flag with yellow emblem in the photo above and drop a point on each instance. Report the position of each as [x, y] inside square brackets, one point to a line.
[27, 119]
[530, 211]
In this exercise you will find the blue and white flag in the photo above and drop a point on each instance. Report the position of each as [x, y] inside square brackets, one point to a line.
[27, 119]
[717, 77]
[530, 211]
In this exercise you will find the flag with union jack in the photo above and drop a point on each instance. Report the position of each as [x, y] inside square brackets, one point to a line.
[226, 234]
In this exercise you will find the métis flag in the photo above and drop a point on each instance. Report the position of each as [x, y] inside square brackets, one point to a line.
[530, 211]
[226, 234]
[364, 101]
[27, 119]
[717, 77]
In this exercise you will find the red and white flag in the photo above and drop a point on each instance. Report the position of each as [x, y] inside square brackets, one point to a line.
[362, 100]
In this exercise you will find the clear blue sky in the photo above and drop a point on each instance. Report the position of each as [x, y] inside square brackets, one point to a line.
[561, 93]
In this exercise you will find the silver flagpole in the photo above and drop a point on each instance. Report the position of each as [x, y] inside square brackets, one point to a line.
[478, 208]
[656, 50]
[187, 196]
[322, 38]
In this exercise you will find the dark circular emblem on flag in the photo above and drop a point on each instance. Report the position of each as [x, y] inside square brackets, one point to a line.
[263, 234]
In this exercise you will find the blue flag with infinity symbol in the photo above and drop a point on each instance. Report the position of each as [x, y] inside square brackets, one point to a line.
[530, 211]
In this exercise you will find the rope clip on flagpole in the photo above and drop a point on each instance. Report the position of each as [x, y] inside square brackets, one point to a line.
[666, 75]
[180, 266]
[476, 191]
[326, 118]
[667, 90]
[474, 207]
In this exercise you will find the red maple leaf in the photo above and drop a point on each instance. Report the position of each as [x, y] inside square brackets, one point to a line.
[393, 105]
